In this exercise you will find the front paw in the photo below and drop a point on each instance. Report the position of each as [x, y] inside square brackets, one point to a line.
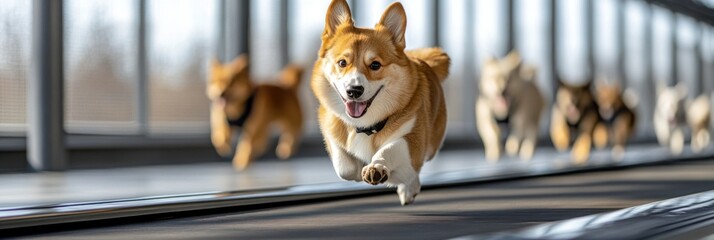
[375, 174]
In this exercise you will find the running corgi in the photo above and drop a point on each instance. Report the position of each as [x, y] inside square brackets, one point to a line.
[239, 103]
[698, 118]
[617, 117]
[574, 114]
[508, 93]
[382, 111]
[670, 117]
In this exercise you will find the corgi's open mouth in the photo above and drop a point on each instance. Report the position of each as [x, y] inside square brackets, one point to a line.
[357, 109]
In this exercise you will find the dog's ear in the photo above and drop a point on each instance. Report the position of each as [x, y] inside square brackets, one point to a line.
[338, 14]
[394, 20]
[512, 61]
[681, 90]
[239, 63]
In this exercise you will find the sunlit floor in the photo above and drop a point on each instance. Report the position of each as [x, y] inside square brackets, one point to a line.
[107, 184]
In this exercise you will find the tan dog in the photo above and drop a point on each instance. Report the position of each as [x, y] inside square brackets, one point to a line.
[382, 111]
[670, 117]
[239, 103]
[574, 113]
[617, 118]
[508, 93]
[698, 117]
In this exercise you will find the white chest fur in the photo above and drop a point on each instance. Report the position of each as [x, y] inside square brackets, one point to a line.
[360, 145]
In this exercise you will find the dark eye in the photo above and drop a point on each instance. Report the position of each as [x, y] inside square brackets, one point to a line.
[342, 63]
[375, 66]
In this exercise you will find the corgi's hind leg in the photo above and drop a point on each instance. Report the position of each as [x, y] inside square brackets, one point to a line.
[530, 139]
[676, 141]
[581, 148]
[289, 139]
[221, 132]
[346, 166]
[252, 144]
[700, 139]
[488, 130]
[393, 164]
[559, 130]
[623, 127]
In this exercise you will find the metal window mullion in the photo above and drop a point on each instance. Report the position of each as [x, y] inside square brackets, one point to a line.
[142, 92]
[674, 52]
[649, 74]
[590, 38]
[236, 29]
[284, 33]
[470, 74]
[45, 129]
[698, 54]
[620, 25]
[511, 26]
[553, 47]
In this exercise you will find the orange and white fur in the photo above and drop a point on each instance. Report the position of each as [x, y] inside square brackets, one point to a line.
[672, 115]
[363, 77]
[230, 89]
[508, 92]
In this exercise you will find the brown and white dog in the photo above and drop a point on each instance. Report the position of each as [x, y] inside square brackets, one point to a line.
[670, 117]
[698, 118]
[508, 93]
[574, 113]
[382, 111]
[617, 117]
[673, 113]
[239, 103]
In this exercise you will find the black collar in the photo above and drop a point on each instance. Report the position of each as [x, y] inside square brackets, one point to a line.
[373, 129]
[247, 109]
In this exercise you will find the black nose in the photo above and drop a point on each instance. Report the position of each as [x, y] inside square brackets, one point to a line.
[355, 91]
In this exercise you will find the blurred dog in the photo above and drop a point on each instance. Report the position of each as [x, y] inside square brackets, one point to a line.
[670, 116]
[617, 118]
[574, 113]
[239, 103]
[698, 117]
[382, 110]
[508, 93]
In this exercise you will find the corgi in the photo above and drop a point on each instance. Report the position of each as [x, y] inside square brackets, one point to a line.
[508, 93]
[237, 103]
[698, 118]
[574, 114]
[670, 117]
[382, 110]
[617, 118]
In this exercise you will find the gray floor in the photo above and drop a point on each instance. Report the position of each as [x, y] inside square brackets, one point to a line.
[119, 183]
[438, 213]
[108, 184]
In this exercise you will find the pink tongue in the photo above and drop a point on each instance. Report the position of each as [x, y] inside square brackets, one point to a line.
[355, 109]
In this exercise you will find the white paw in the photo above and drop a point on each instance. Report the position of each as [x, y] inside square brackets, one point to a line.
[407, 193]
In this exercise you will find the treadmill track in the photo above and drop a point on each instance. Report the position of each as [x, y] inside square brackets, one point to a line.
[437, 213]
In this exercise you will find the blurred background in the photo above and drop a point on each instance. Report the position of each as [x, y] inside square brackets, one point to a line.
[134, 71]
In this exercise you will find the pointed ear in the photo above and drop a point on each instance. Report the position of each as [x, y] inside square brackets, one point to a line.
[512, 60]
[338, 13]
[239, 63]
[394, 21]
[681, 89]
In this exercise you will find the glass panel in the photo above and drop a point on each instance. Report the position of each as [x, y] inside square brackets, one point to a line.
[15, 26]
[100, 66]
[662, 43]
[572, 44]
[181, 40]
